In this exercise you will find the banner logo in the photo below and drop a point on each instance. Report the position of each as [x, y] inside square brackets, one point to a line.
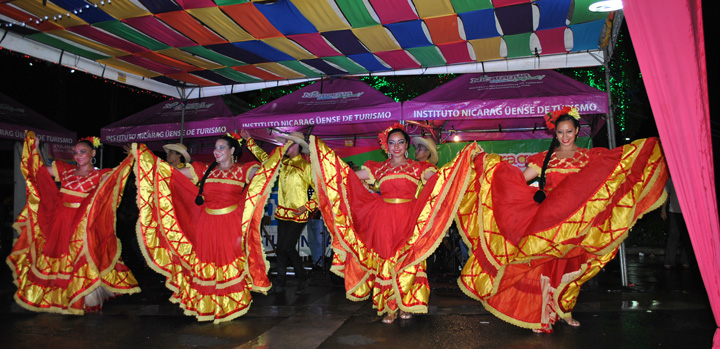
[506, 78]
[190, 106]
[335, 95]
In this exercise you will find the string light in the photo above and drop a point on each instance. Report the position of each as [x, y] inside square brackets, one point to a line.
[57, 17]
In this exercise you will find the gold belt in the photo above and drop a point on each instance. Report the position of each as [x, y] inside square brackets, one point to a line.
[71, 204]
[396, 201]
[220, 211]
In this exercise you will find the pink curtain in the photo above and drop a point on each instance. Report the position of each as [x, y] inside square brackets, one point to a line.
[669, 42]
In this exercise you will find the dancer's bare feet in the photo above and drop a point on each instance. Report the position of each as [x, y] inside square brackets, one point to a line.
[572, 322]
[390, 317]
[405, 315]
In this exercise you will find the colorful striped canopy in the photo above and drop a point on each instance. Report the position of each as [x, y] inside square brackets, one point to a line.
[197, 48]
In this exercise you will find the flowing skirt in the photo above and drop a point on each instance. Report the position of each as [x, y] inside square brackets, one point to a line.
[65, 253]
[211, 261]
[529, 260]
[380, 247]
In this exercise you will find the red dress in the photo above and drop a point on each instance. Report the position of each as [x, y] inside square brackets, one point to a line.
[529, 260]
[212, 254]
[381, 241]
[67, 246]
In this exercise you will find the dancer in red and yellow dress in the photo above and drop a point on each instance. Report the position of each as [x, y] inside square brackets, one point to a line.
[206, 240]
[67, 257]
[533, 249]
[381, 241]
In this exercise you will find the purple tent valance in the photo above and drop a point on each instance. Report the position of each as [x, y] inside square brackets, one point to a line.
[15, 118]
[504, 106]
[505, 95]
[331, 108]
[206, 117]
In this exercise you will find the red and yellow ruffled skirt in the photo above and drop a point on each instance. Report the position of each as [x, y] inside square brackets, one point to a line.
[393, 274]
[65, 251]
[212, 258]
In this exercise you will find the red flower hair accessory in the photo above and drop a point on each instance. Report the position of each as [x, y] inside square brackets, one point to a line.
[95, 141]
[383, 136]
[235, 136]
[551, 118]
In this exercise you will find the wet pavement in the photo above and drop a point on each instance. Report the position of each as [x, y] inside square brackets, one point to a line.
[661, 308]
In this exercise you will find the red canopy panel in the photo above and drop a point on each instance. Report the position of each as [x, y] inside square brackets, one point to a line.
[186, 24]
[152, 27]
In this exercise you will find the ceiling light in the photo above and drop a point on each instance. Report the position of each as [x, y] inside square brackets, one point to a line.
[606, 6]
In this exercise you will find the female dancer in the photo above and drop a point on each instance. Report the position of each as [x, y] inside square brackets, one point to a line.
[533, 248]
[381, 241]
[206, 240]
[67, 257]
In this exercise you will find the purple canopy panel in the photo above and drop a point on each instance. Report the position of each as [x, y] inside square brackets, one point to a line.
[341, 108]
[505, 101]
[206, 117]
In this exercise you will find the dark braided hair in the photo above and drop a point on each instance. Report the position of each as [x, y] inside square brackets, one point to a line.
[540, 194]
[232, 143]
[88, 143]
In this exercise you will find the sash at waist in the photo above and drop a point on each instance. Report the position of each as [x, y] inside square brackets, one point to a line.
[396, 200]
[71, 204]
[221, 211]
[74, 193]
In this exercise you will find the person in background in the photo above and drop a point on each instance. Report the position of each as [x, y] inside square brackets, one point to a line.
[177, 155]
[425, 150]
[677, 230]
[293, 209]
[67, 257]
[316, 235]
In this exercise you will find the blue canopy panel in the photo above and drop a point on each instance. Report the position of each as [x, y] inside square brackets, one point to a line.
[479, 24]
[369, 62]
[585, 35]
[89, 13]
[409, 33]
[553, 13]
[286, 18]
[267, 52]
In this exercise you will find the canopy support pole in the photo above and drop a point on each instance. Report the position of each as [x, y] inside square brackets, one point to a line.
[184, 93]
[610, 123]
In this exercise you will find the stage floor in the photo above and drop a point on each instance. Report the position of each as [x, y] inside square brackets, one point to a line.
[666, 308]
